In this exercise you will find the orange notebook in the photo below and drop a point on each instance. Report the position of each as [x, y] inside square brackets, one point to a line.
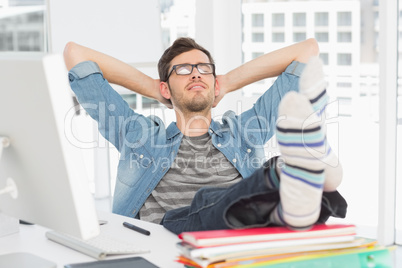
[238, 236]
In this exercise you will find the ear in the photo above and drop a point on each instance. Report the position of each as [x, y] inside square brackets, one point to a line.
[164, 90]
[217, 88]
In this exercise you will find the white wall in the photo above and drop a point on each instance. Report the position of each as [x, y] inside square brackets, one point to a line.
[129, 30]
[218, 28]
[126, 29]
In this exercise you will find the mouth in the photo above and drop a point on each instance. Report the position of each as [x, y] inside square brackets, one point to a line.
[196, 87]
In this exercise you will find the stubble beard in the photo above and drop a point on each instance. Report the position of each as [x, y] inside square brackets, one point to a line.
[198, 103]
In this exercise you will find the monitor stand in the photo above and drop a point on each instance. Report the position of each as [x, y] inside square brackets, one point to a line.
[4, 143]
[25, 260]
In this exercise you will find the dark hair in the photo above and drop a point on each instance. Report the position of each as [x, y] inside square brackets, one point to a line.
[181, 45]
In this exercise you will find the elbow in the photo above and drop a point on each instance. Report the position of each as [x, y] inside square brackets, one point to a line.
[68, 49]
[69, 55]
[312, 47]
[307, 49]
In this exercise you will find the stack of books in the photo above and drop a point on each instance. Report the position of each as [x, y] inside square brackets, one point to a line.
[331, 245]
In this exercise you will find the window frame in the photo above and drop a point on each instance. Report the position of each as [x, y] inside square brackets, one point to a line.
[388, 61]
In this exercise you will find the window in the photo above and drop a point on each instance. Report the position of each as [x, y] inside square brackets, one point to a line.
[344, 18]
[165, 37]
[344, 84]
[322, 37]
[181, 31]
[256, 54]
[177, 20]
[400, 17]
[257, 37]
[344, 59]
[297, 37]
[376, 18]
[278, 20]
[6, 41]
[324, 58]
[29, 41]
[344, 104]
[23, 29]
[399, 136]
[147, 103]
[299, 19]
[348, 60]
[321, 19]
[344, 37]
[257, 20]
[278, 37]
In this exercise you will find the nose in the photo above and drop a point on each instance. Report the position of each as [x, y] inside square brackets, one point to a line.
[195, 74]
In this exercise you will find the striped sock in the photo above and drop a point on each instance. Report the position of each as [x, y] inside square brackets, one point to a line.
[313, 86]
[271, 174]
[302, 144]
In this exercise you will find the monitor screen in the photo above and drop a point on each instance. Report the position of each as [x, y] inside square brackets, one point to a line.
[52, 184]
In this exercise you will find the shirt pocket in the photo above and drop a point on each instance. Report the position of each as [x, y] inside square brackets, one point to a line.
[134, 166]
[251, 156]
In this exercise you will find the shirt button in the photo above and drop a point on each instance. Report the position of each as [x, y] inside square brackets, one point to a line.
[248, 150]
[142, 156]
[210, 131]
[219, 145]
[234, 160]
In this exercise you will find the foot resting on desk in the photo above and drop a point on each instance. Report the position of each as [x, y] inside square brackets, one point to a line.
[302, 144]
[313, 86]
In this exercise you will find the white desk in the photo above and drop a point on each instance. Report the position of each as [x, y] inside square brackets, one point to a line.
[31, 239]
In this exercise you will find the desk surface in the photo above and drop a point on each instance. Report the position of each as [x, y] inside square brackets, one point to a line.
[31, 239]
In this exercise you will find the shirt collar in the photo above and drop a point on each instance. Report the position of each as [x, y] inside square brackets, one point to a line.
[215, 128]
[173, 130]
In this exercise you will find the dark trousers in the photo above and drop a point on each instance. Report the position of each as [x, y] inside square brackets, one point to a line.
[246, 204]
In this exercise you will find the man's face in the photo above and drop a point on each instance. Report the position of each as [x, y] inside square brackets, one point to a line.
[194, 92]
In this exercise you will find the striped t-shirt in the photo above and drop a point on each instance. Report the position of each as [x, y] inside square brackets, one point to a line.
[198, 164]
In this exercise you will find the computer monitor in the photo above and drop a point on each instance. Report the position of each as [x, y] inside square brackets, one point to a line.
[47, 169]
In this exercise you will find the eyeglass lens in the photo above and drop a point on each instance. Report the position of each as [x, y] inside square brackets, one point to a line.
[203, 68]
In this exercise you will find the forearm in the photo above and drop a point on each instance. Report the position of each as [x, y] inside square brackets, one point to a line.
[269, 65]
[114, 70]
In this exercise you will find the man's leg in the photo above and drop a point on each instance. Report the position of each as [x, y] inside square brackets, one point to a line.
[310, 166]
[246, 204]
[313, 86]
[302, 144]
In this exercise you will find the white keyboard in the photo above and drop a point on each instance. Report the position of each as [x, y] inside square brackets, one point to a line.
[98, 247]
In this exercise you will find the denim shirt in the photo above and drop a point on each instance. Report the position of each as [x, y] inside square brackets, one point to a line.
[147, 148]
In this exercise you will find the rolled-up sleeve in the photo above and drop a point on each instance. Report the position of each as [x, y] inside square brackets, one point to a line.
[83, 69]
[260, 120]
[114, 116]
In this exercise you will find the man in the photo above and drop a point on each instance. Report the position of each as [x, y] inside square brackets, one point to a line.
[198, 173]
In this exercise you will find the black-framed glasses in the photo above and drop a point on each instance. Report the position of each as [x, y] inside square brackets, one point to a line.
[186, 69]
